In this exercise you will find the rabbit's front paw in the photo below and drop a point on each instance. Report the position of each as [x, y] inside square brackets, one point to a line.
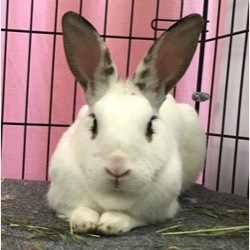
[115, 223]
[84, 220]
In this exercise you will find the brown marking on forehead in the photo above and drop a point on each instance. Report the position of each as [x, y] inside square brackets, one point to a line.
[144, 73]
[108, 71]
[141, 85]
[157, 87]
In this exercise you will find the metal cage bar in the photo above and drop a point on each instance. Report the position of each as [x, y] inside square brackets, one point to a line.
[4, 64]
[212, 83]
[221, 135]
[27, 91]
[240, 104]
[225, 97]
[51, 89]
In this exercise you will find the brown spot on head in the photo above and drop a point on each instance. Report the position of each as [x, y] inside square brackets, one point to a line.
[158, 87]
[141, 85]
[144, 73]
[133, 93]
[109, 71]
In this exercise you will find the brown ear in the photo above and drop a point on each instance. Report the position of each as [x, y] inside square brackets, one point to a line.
[168, 59]
[87, 56]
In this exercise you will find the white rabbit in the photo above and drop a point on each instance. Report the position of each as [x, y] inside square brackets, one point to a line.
[129, 154]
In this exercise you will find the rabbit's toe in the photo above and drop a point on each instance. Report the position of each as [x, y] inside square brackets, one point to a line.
[84, 220]
[114, 223]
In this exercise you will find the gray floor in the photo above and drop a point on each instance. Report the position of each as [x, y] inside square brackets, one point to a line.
[24, 205]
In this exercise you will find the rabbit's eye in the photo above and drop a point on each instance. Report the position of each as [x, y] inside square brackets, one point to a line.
[94, 128]
[150, 130]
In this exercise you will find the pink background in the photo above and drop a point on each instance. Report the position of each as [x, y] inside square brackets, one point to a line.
[41, 59]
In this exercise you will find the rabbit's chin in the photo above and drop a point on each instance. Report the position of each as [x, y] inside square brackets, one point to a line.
[115, 199]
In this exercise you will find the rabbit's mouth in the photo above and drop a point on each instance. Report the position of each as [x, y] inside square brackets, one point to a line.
[117, 175]
[117, 183]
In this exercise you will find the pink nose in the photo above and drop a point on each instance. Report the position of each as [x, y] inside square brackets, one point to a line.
[117, 162]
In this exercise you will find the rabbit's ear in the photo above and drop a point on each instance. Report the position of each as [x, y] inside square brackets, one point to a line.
[168, 59]
[87, 56]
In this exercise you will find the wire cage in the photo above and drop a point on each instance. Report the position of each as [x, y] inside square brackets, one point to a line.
[40, 97]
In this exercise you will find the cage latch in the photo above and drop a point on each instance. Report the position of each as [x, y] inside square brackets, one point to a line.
[200, 96]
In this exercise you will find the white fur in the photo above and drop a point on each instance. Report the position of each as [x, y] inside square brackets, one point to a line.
[82, 190]
[120, 176]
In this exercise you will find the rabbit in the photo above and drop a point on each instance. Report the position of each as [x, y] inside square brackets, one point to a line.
[132, 150]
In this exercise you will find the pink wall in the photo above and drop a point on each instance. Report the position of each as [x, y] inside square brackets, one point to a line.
[42, 74]
[40, 71]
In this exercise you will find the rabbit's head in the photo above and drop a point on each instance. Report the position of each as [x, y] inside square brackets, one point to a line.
[122, 144]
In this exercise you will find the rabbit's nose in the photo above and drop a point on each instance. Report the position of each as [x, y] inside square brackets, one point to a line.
[117, 159]
[116, 167]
